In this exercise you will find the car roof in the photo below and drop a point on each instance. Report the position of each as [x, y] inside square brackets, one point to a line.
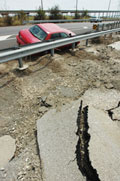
[50, 28]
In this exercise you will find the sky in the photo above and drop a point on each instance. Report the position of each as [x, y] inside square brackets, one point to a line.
[63, 4]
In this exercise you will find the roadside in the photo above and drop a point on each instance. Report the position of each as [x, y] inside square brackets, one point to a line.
[57, 81]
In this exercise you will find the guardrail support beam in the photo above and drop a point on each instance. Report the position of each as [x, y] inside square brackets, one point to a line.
[20, 62]
[73, 46]
[52, 52]
[86, 42]
[21, 66]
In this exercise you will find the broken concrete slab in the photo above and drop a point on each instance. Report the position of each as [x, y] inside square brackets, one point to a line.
[104, 144]
[7, 149]
[23, 166]
[57, 144]
[57, 139]
[115, 45]
[102, 99]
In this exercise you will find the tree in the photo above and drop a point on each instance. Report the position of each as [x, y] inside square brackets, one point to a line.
[55, 13]
[85, 14]
[40, 14]
[8, 20]
[21, 16]
[77, 15]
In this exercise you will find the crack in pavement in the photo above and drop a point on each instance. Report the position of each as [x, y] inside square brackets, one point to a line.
[82, 152]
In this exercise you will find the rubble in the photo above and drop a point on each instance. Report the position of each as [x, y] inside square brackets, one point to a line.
[7, 150]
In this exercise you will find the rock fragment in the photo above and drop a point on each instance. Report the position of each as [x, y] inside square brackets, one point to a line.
[7, 150]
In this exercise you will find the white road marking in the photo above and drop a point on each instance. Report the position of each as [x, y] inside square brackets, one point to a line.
[11, 39]
[85, 27]
[5, 37]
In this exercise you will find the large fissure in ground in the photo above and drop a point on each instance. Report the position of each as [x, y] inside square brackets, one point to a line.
[82, 152]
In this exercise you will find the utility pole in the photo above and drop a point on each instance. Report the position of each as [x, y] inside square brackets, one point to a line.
[5, 4]
[76, 14]
[42, 4]
[76, 5]
[119, 5]
[109, 5]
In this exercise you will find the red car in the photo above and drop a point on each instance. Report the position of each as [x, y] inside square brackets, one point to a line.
[41, 32]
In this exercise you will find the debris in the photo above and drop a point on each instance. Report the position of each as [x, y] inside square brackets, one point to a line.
[7, 150]
[43, 102]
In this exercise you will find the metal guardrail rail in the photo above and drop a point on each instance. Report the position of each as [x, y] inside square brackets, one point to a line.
[106, 26]
[62, 11]
[44, 46]
[61, 21]
[55, 21]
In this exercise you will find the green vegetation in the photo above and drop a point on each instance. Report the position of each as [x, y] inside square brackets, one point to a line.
[77, 15]
[85, 14]
[40, 15]
[21, 16]
[8, 20]
[55, 13]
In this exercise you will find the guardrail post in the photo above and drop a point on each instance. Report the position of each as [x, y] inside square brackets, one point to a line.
[111, 26]
[98, 28]
[20, 62]
[52, 52]
[73, 46]
[102, 27]
[110, 35]
[86, 42]
[105, 36]
[21, 66]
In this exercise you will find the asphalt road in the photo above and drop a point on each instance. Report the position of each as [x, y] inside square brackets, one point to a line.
[8, 34]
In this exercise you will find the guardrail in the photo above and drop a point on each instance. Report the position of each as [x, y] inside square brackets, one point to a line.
[44, 46]
[106, 26]
[61, 21]
[62, 11]
[54, 21]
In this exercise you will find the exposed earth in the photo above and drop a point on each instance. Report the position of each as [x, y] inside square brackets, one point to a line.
[50, 82]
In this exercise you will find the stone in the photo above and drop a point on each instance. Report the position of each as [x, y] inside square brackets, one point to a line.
[109, 86]
[116, 114]
[7, 149]
[42, 110]
[115, 45]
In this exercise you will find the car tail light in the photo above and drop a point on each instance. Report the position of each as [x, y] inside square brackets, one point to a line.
[22, 38]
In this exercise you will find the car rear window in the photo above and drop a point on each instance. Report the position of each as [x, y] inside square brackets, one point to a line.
[38, 32]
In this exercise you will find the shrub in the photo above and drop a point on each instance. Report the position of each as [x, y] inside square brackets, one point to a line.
[40, 15]
[55, 13]
[85, 14]
[21, 16]
[77, 15]
[8, 20]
